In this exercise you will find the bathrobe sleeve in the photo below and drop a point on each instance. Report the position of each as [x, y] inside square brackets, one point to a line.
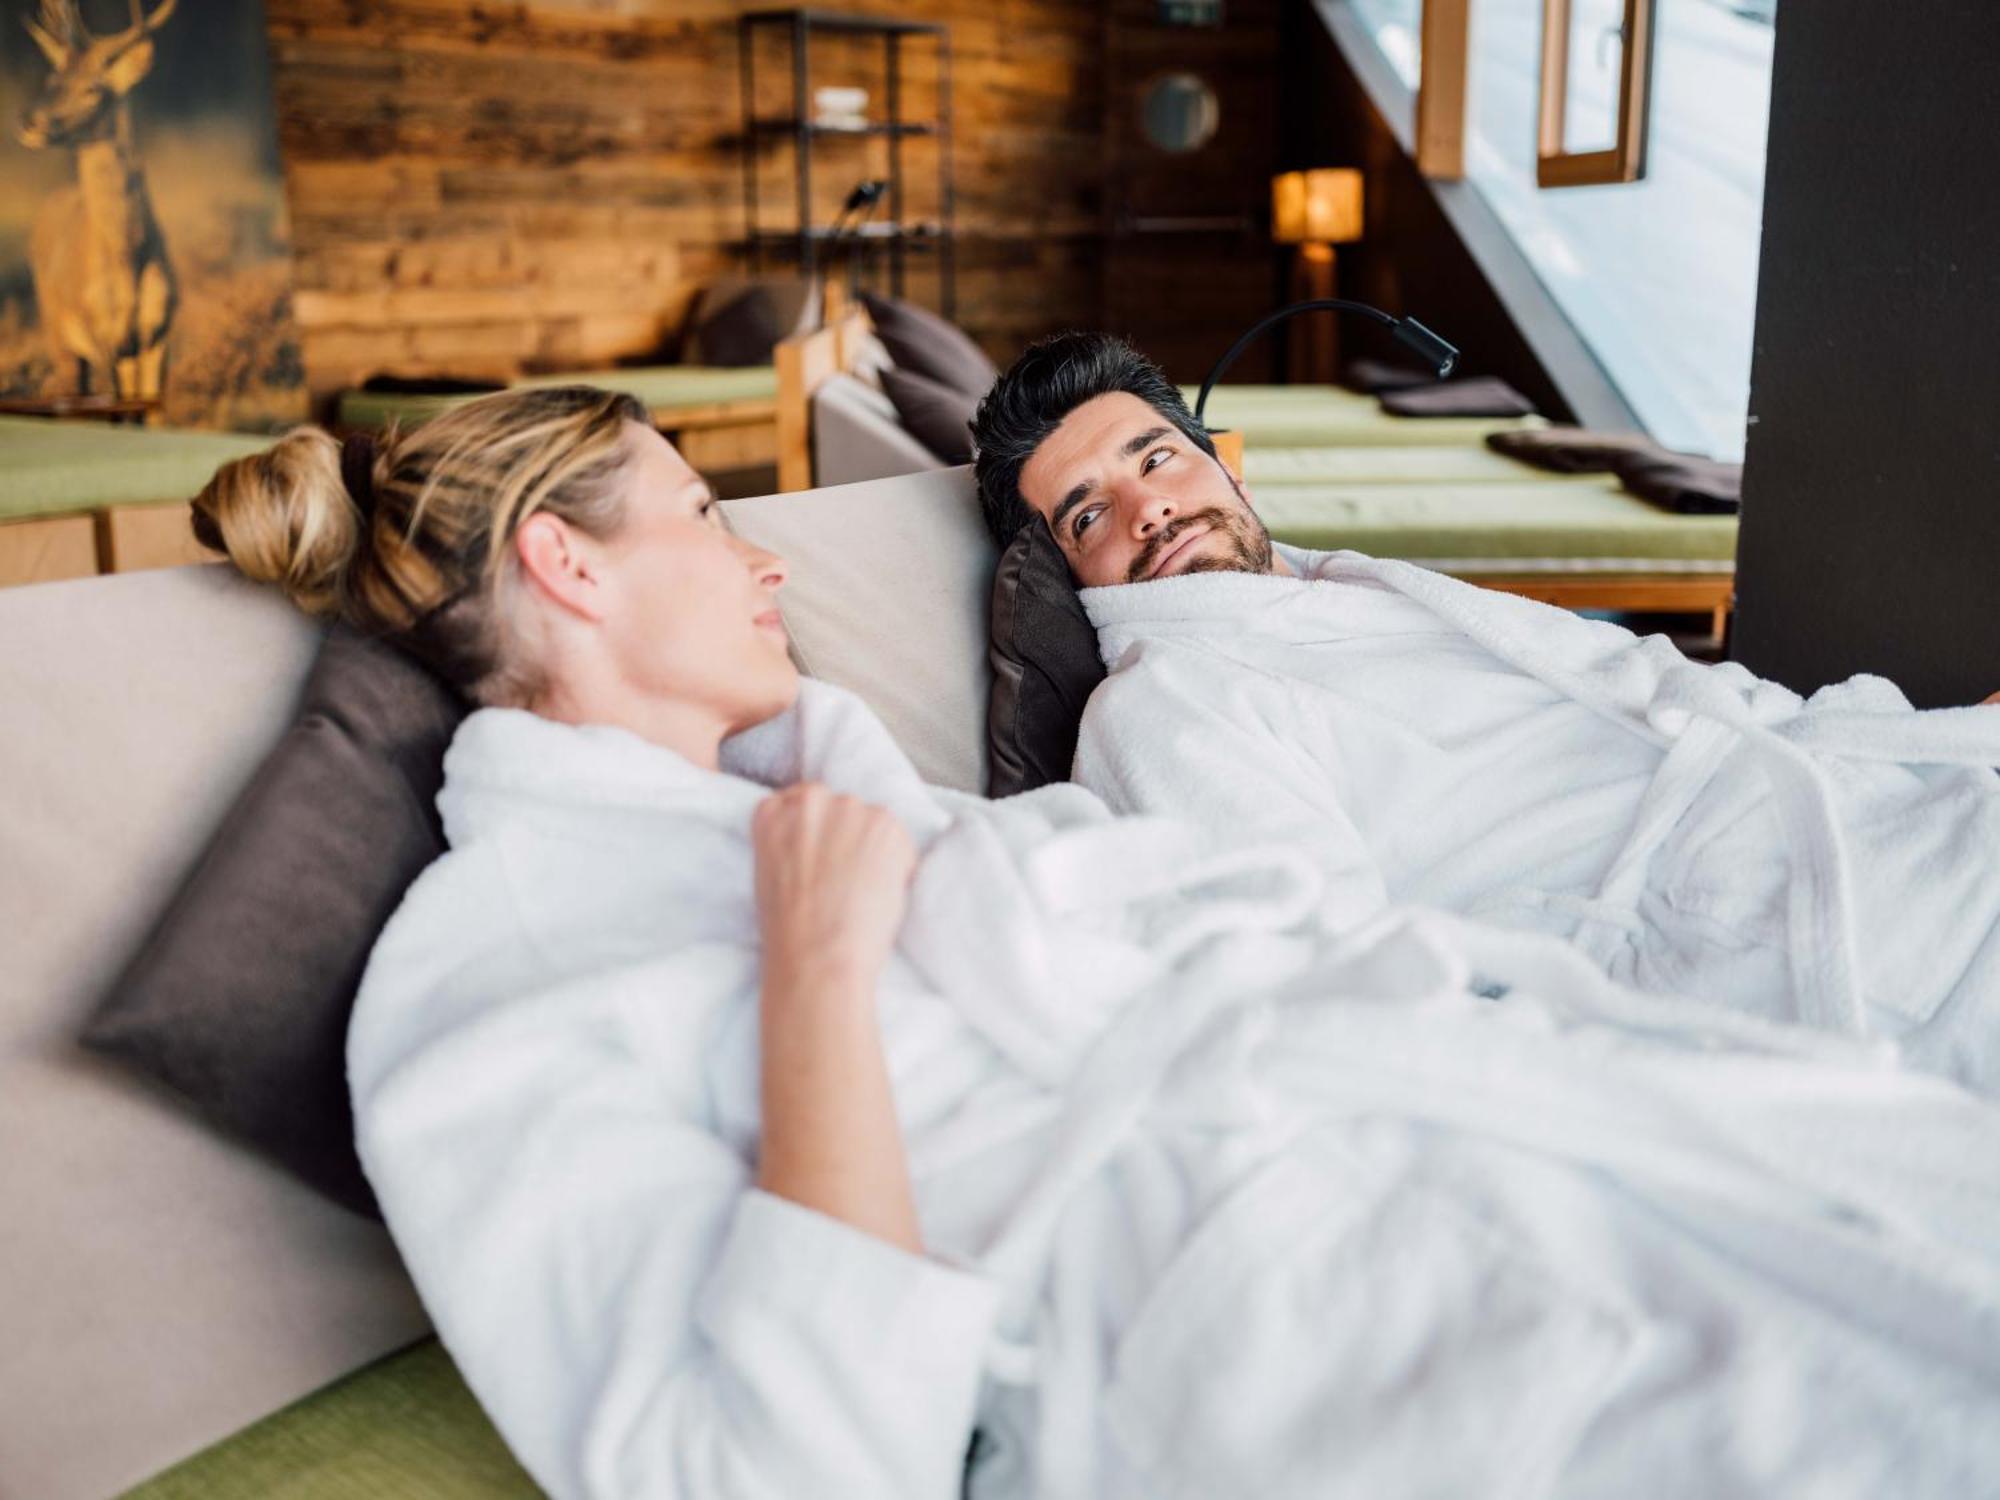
[636, 1317]
[1173, 734]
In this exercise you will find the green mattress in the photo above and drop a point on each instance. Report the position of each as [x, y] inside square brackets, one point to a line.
[51, 468]
[655, 385]
[404, 1426]
[1320, 416]
[1328, 468]
[1576, 524]
[1374, 463]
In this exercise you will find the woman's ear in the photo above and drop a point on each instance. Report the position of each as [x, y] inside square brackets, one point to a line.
[556, 561]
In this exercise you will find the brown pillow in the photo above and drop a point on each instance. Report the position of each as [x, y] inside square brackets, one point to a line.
[739, 324]
[935, 415]
[1484, 396]
[239, 1000]
[920, 340]
[1045, 666]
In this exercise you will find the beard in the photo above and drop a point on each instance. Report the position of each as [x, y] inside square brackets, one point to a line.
[1245, 544]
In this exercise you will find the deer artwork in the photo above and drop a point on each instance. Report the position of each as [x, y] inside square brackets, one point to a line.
[106, 291]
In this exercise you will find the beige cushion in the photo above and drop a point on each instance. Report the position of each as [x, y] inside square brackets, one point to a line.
[856, 436]
[159, 1286]
[887, 596]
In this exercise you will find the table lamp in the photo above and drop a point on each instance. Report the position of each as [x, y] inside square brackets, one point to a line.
[1314, 211]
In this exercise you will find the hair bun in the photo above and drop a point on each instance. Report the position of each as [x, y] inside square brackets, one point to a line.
[284, 517]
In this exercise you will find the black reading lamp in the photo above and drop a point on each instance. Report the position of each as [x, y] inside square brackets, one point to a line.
[1412, 335]
[848, 222]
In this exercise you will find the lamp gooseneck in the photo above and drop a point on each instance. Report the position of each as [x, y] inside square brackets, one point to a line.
[1440, 354]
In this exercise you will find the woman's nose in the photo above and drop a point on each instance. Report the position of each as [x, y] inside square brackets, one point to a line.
[771, 570]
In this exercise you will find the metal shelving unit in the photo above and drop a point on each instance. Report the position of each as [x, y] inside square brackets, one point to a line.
[897, 234]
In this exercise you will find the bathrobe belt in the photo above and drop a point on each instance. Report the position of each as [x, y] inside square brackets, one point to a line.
[1708, 724]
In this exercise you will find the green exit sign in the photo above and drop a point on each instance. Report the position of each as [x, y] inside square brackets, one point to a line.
[1191, 12]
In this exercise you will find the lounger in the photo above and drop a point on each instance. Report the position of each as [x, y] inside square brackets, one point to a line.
[78, 498]
[720, 418]
[1328, 468]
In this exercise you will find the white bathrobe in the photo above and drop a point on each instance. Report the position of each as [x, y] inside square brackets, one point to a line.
[1693, 829]
[1216, 1203]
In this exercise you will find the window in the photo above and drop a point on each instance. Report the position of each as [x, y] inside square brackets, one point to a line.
[1659, 277]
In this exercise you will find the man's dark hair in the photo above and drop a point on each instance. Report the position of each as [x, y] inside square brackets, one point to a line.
[1045, 385]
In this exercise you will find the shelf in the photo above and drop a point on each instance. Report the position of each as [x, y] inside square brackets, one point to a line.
[873, 127]
[806, 124]
[871, 234]
[827, 20]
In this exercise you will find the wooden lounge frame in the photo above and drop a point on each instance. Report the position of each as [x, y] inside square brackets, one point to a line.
[1625, 161]
[1712, 594]
[722, 434]
[805, 362]
[107, 539]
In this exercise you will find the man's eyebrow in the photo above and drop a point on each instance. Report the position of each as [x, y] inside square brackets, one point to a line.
[1081, 493]
[1070, 502]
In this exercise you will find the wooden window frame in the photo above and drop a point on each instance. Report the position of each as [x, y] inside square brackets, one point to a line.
[1442, 69]
[1625, 161]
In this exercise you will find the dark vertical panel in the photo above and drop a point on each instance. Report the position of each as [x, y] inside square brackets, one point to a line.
[1187, 257]
[1871, 515]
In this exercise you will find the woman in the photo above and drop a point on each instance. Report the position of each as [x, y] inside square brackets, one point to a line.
[755, 1119]
[549, 551]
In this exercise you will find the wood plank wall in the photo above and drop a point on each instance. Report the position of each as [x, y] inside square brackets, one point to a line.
[481, 189]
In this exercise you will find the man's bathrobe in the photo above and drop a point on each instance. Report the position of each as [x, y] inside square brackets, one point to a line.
[1217, 1202]
[1693, 829]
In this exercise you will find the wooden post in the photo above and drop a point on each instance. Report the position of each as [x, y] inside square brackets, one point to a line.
[1229, 448]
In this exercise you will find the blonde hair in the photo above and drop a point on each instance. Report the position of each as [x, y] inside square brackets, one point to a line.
[424, 553]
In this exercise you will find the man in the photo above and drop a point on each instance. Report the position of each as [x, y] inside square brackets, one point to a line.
[1694, 829]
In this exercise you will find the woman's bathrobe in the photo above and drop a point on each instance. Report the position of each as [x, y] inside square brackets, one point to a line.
[1216, 1203]
[1694, 829]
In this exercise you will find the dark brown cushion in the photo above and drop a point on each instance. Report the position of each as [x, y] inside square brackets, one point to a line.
[1483, 396]
[918, 339]
[738, 324]
[1374, 376]
[1045, 666]
[1684, 482]
[934, 414]
[240, 998]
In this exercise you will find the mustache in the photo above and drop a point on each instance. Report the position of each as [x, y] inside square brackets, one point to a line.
[1169, 535]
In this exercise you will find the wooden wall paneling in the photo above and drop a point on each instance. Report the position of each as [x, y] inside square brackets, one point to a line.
[486, 191]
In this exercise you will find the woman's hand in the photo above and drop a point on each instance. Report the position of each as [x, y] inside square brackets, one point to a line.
[833, 881]
[1994, 699]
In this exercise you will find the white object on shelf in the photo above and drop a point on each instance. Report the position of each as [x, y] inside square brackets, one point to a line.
[840, 108]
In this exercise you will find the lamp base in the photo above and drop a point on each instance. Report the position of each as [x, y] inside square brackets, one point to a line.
[1313, 346]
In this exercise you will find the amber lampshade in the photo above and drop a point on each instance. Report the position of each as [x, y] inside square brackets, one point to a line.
[1321, 207]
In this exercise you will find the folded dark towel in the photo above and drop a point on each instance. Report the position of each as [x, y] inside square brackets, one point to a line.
[1684, 482]
[1485, 396]
[428, 385]
[1569, 450]
[1374, 376]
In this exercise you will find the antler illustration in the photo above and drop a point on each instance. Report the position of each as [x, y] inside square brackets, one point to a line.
[59, 32]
